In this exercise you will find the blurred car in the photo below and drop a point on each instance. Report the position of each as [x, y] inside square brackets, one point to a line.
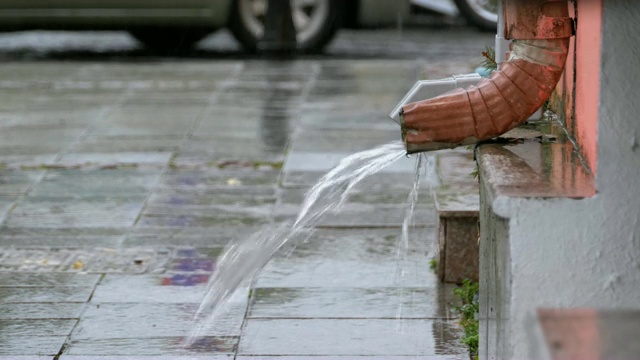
[179, 24]
[480, 13]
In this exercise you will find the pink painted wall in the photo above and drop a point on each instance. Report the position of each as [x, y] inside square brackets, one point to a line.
[587, 77]
[578, 90]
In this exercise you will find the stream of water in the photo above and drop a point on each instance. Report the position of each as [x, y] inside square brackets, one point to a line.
[242, 260]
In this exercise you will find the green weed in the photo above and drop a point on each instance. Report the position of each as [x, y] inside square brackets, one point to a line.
[467, 311]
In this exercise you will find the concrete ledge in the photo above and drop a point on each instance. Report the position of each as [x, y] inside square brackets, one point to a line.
[530, 180]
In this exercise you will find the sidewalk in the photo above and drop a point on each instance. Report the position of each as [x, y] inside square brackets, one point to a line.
[120, 183]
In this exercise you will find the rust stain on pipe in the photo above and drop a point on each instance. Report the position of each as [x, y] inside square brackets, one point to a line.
[510, 95]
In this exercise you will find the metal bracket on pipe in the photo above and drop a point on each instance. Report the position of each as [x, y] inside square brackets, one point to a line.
[427, 89]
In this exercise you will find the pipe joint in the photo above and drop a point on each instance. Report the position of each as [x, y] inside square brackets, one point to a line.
[510, 95]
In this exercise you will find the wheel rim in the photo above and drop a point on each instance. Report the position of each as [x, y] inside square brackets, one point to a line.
[486, 9]
[309, 17]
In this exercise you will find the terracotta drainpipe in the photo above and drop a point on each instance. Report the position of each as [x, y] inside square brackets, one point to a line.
[541, 30]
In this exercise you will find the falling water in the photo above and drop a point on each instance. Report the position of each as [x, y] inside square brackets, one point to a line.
[243, 260]
[403, 249]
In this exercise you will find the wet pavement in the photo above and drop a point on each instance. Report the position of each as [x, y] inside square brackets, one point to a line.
[122, 179]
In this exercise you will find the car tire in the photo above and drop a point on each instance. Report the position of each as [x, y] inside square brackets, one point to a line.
[169, 41]
[323, 21]
[477, 15]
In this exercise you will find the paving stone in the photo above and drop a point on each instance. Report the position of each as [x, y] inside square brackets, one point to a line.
[115, 159]
[94, 183]
[19, 357]
[129, 144]
[55, 137]
[310, 303]
[198, 237]
[208, 357]
[62, 232]
[340, 140]
[150, 289]
[28, 162]
[364, 257]
[86, 260]
[71, 241]
[166, 217]
[16, 182]
[325, 161]
[148, 121]
[232, 152]
[131, 320]
[350, 337]
[103, 213]
[218, 346]
[245, 180]
[424, 357]
[34, 345]
[60, 119]
[49, 280]
[371, 193]
[365, 216]
[40, 311]
[37, 327]
[45, 294]
[209, 199]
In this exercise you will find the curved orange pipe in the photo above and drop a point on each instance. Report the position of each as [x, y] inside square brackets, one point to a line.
[510, 95]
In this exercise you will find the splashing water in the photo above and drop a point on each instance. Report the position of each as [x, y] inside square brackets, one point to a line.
[243, 260]
[402, 250]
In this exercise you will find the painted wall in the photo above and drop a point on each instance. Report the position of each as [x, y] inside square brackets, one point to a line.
[578, 90]
[567, 253]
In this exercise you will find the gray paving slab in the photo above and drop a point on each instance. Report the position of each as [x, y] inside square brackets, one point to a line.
[41, 311]
[164, 346]
[148, 121]
[350, 337]
[233, 152]
[318, 303]
[340, 140]
[129, 144]
[248, 179]
[202, 237]
[149, 320]
[28, 162]
[361, 257]
[370, 193]
[38, 136]
[45, 294]
[99, 213]
[70, 241]
[294, 357]
[150, 289]
[364, 216]
[75, 118]
[19, 357]
[168, 217]
[208, 357]
[14, 346]
[85, 260]
[95, 183]
[209, 199]
[38, 327]
[49, 280]
[305, 169]
[115, 159]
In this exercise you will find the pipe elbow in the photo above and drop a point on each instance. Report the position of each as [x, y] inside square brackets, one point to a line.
[494, 106]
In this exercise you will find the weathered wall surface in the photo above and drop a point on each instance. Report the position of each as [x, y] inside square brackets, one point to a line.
[577, 94]
[567, 253]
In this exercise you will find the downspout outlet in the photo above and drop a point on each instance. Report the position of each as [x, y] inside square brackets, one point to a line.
[540, 30]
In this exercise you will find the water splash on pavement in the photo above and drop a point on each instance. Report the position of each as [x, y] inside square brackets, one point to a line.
[243, 260]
